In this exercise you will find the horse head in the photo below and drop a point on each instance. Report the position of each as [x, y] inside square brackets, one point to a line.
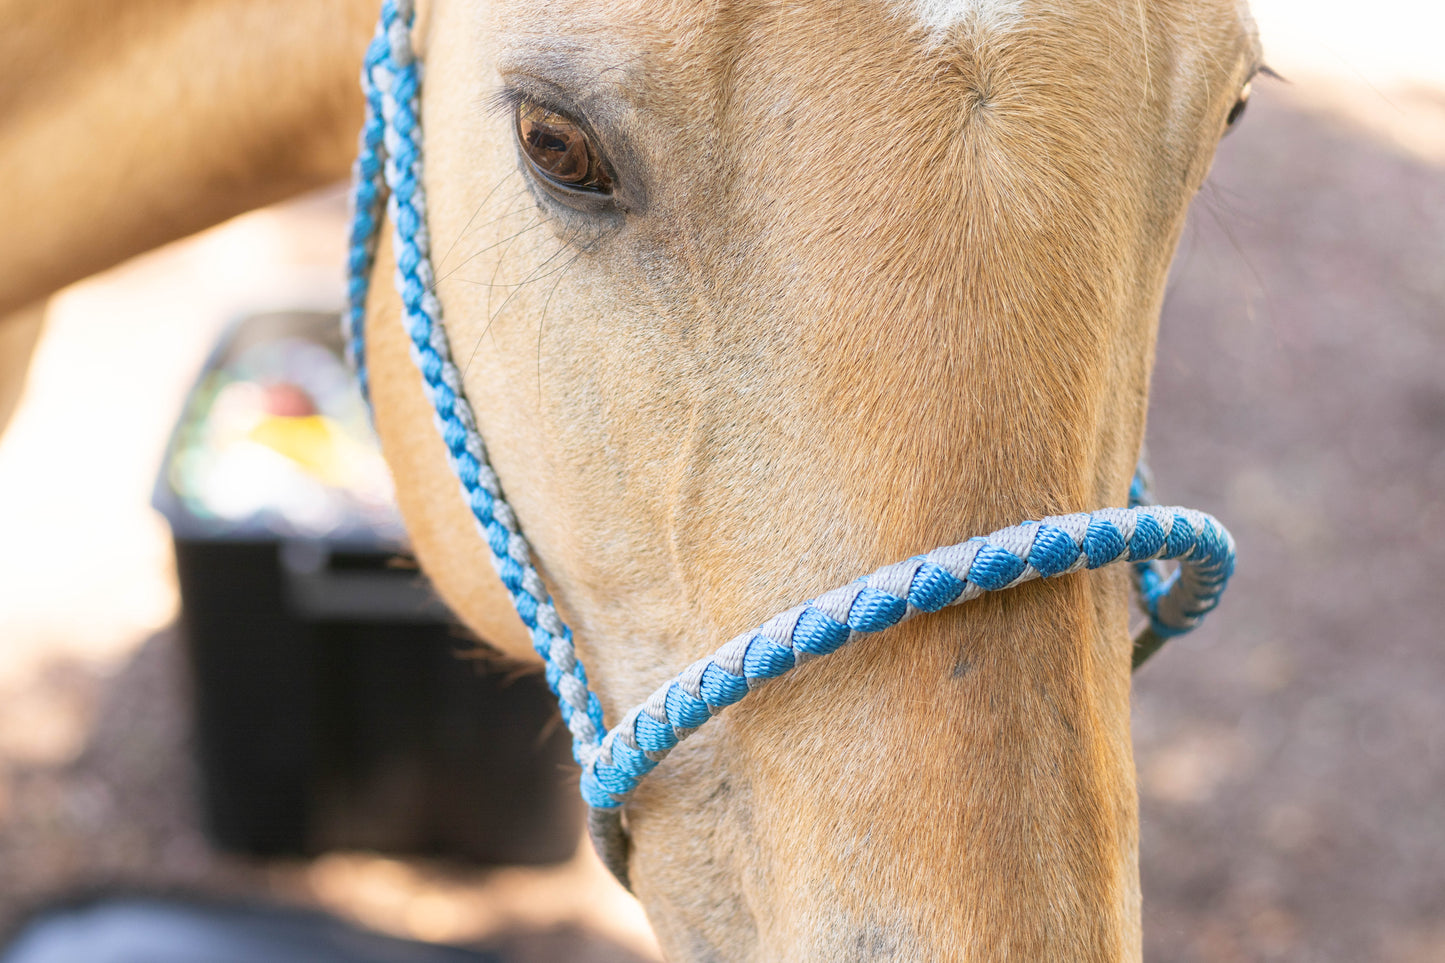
[751, 298]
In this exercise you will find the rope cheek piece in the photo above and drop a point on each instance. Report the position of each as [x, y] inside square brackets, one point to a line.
[388, 171]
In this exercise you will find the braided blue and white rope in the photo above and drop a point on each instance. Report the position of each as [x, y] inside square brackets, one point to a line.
[389, 166]
[895, 593]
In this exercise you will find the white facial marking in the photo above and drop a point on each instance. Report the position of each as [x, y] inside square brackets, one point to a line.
[937, 16]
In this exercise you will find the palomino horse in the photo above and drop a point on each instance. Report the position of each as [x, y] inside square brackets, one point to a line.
[751, 297]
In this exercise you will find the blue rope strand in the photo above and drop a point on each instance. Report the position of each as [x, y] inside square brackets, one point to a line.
[390, 166]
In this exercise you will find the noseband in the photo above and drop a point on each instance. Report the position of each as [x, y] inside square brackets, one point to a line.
[388, 171]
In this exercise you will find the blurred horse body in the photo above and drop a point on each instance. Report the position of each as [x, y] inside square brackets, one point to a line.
[868, 278]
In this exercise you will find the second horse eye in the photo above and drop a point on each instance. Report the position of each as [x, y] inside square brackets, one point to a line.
[559, 149]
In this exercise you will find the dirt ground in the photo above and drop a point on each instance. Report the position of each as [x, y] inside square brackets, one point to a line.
[1291, 753]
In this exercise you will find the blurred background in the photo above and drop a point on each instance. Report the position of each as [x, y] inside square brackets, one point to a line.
[1291, 753]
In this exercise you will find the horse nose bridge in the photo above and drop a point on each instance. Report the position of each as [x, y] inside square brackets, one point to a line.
[843, 762]
[885, 785]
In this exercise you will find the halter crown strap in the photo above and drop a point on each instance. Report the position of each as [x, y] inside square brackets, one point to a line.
[388, 170]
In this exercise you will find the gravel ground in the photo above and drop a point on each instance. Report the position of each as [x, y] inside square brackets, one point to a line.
[1291, 754]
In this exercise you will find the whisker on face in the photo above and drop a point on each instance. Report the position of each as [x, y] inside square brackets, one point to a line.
[495, 244]
[1221, 205]
[532, 276]
[497, 220]
[511, 284]
[547, 303]
[506, 245]
[529, 278]
[481, 206]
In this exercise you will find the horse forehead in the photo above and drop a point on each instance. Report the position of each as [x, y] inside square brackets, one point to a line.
[690, 23]
[932, 15]
[690, 55]
[690, 27]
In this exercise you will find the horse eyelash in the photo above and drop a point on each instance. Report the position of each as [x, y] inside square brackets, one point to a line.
[504, 100]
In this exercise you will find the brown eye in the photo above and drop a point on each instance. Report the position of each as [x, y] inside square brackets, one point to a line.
[560, 150]
[1237, 111]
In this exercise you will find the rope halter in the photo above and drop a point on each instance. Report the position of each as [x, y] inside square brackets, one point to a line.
[388, 171]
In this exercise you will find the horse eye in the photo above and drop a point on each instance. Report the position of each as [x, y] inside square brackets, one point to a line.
[560, 150]
[1237, 111]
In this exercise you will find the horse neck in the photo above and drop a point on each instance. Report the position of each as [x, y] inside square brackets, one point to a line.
[252, 122]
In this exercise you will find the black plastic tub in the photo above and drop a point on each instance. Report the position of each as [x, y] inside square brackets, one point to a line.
[337, 703]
